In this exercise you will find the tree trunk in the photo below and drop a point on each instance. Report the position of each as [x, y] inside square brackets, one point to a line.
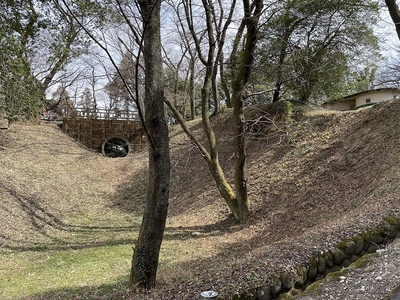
[225, 189]
[224, 84]
[277, 91]
[287, 31]
[214, 89]
[212, 159]
[394, 14]
[146, 254]
[229, 72]
[243, 204]
[192, 88]
[242, 77]
[237, 201]
[240, 160]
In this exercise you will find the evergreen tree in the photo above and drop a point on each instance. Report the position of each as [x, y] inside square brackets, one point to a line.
[309, 43]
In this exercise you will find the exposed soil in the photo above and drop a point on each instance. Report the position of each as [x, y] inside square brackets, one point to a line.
[314, 181]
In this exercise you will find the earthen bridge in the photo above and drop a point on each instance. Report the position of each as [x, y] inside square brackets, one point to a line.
[110, 133]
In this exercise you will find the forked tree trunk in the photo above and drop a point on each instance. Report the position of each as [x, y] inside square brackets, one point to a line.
[237, 201]
[146, 254]
[212, 158]
[238, 88]
[212, 161]
[225, 189]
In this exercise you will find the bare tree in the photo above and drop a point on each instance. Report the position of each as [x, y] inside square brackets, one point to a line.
[63, 104]
[394, 14]
[120, 99]
[148, 38]
[184, 62]
[236, 199]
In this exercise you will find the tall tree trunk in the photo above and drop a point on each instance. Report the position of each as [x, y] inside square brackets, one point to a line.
[146, 254]
[214, 89]
[394, 14]
[60, 60]
[212, 157]
[192, 88]
[229, 73]
[286, 33]
[224, 84]
[240, 158]
[242, 77]
[277, 90]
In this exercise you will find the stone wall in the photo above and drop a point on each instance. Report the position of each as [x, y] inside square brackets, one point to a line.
[92, 133]
[288, 285]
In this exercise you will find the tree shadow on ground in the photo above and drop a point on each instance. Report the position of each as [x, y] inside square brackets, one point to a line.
[55, 233]
[224, 226]
[118, 290]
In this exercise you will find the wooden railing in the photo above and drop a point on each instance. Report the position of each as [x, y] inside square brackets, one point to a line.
[104, 114]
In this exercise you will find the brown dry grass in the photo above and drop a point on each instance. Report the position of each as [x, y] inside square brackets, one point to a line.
[323, 178]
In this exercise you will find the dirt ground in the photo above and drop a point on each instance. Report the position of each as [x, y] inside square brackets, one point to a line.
[321, 178]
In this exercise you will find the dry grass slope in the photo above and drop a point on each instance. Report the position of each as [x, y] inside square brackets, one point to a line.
[318, 179]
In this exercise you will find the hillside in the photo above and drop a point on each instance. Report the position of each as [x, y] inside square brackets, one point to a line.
[314, 181]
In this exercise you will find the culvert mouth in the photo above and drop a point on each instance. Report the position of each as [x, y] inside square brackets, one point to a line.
[115, 147]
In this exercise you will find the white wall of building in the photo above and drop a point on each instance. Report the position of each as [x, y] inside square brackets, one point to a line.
[376, 97]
